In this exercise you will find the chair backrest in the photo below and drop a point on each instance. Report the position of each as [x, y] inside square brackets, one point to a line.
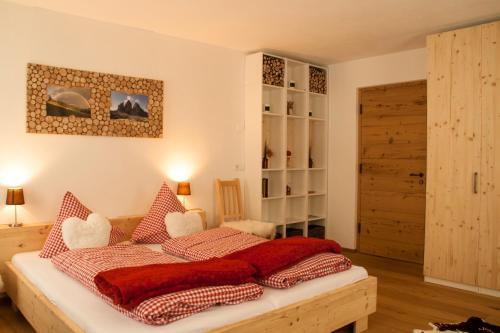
[229, 201]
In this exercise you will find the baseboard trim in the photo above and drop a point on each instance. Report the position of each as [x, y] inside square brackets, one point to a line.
[475, 289]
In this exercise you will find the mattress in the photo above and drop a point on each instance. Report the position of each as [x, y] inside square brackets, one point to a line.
[93, 315]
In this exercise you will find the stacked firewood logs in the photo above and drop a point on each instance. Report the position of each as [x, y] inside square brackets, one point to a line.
[317, 80]
[273, 71]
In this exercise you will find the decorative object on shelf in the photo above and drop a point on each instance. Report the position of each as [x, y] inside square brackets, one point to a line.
[77, 102]
[265, 187]
[266, 156]
[311, 162]
[291, 84]
[273, 71]
[289, 108]
[183, 189]
[288, 190]
[288, 158]
[267, 108]
[317, 80]
[15, 197]
[310, 114]
[316, 231]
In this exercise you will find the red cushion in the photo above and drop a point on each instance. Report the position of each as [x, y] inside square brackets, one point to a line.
[71, 207]
[151, 229]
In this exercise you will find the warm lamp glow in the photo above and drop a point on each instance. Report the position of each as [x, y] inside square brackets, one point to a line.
[14, 176]
[180, 172]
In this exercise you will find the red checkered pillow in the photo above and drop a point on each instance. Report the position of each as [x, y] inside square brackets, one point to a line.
[71, 207]
[152, 229]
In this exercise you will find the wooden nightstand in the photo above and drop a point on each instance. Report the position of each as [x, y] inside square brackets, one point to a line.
[203, 215]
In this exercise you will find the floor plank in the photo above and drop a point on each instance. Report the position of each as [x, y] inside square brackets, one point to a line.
[405, 302]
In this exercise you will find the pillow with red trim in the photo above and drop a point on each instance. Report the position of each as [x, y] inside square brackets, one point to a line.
[71, 207]
[152, 229]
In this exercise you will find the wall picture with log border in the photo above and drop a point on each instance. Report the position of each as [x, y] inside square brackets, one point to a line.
[77, 102]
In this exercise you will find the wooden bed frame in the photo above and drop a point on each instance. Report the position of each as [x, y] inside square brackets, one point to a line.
[323, 313]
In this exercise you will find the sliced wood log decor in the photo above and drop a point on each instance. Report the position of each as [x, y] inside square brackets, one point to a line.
[90, 114]
[317, 80]
[273, 71]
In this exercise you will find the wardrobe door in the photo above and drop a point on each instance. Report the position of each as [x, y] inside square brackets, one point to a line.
[489, 239]
[453, 162]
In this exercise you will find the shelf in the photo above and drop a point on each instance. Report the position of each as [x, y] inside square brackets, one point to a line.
[314, 217]
[295, 117]
[296, 142]
[271, 114]
[272, 134]
[295, 91]
[316, 119]
[295, 169]
[316, 169]
[296, 195]
[315, 194]
[271, 86]
[272, 211]
[294, 220]
[315, 94]
[272, 97]
[272, 198]
[272, 170]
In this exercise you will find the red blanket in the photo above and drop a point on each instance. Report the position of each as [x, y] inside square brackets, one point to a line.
[84, 264]
[129, 286]
[276, 255]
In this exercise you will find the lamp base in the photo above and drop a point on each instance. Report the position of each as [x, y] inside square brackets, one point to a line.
[15, 225]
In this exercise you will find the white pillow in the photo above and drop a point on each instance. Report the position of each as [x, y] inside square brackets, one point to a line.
[94, 232]
[179, 224]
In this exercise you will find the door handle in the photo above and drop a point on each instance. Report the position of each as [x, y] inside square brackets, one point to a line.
[474, 182]
[421, 174]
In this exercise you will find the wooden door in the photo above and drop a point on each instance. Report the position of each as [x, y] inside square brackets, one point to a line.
[392, 155]
[454, 149]
[489, 232]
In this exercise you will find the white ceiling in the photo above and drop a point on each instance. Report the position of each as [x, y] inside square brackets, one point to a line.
[325, 31]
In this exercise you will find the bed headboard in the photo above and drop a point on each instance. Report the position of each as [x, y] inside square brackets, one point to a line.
[31, 237]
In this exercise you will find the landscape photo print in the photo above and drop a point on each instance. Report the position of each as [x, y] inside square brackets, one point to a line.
[65, 102]
[128, 106]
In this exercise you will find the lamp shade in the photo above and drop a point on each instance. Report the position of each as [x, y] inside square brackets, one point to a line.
[183, 188]
[15, 196]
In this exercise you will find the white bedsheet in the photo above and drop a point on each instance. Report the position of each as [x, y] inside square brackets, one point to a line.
[93, 315]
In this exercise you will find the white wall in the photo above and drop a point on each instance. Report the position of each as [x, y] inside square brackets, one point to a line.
[117, 176]
[345, 79]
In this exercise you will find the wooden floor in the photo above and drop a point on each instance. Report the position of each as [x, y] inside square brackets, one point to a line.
[405, 302]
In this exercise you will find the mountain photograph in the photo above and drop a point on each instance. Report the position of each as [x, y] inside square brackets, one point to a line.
[128, 106]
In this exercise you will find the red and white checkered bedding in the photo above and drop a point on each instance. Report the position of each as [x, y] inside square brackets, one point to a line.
[220, 242]
[84, 264]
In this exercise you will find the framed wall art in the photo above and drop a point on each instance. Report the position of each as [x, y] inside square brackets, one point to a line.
[77, 102]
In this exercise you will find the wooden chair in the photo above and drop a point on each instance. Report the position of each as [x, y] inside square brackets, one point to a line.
[229, 201]
[231, 213]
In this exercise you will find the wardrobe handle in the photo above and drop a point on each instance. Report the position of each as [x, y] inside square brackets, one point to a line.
[474, 182]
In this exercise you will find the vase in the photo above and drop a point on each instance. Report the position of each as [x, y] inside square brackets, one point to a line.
[265, 163]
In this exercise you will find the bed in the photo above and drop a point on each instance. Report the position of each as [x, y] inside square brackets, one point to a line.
[35, 287]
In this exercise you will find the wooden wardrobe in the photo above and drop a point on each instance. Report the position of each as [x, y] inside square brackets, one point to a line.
[462, 241]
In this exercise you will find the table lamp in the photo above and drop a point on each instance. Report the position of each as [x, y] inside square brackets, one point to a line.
[184, 188]
[15, 197]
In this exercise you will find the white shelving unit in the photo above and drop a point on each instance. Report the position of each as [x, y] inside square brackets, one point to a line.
[293, 122]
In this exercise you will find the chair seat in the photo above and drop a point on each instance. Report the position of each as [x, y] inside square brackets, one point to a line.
[257, 228]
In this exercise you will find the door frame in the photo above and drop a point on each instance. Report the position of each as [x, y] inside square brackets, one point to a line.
[358, 147]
